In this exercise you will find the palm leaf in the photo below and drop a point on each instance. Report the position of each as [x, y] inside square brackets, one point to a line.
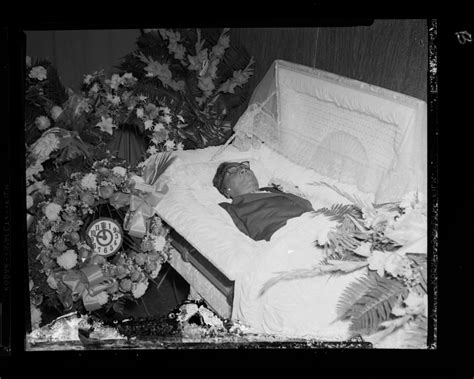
[159, 166]
[375, 305]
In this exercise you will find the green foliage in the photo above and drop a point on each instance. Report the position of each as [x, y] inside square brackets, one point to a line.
[369, 301]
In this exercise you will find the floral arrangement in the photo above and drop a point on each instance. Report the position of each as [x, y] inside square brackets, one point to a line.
[389, 242]
[66, 258]
[118, 100]
[200, 79]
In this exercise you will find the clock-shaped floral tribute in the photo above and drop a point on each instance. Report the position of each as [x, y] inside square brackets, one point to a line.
[91, 261]
[105, 235]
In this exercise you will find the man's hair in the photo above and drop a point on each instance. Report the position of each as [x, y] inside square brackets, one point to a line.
[218, 179]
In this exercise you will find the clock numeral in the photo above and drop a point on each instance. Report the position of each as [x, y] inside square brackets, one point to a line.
[97, 227]
[105, 250]
[115, 229]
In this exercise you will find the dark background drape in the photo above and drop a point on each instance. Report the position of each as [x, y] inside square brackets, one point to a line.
[389, 53]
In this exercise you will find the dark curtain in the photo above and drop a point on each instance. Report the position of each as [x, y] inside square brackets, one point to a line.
[128, 144]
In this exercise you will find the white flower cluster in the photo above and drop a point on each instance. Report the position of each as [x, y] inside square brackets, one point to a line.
[38, 73]
[44, 146]
[67, 260]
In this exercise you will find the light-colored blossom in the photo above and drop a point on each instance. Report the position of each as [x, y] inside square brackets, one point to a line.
[88, 79]
[377, 262]
[140, 113]
[139, 289]
[67, 260]
[395, 264]
[169, 144]
[56, 111]
[95, 88]
[152, 150]
[42, 122]
[179, 146]
[115, 81]
[118, 170]
[159, 243]
[114, 99]
[156, 69]
[89, 181]
[106, 125]
[39, 73]
[148, 124]
[52, 211]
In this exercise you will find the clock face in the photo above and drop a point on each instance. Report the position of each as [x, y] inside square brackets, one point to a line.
[106, 236]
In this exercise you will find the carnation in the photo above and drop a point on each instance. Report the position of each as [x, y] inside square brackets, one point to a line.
[121, 171]
[159, 243]
[42, 122]
[67, 260]
[140, 259]
[89, 181]
[125, 285]
[139, 289]
[38, 72]
[52, 211]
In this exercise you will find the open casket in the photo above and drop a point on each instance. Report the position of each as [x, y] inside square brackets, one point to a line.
[302, 125]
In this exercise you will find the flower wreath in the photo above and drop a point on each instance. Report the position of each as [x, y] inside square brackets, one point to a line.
[80, 276]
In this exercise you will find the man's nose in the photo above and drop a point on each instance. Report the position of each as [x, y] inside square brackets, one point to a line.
[243, 170]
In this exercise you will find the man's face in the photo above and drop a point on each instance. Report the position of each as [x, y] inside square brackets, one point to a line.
[239, 179]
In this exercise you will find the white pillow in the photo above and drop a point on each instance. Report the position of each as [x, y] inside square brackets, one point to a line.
[199, 175]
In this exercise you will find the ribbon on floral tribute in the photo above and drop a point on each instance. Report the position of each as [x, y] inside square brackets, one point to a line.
[87, 283]
[143, 201]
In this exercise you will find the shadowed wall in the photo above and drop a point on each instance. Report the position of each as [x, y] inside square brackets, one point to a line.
[390, 53]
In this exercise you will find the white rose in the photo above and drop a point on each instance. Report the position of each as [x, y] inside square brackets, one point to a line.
[159, 243]
[56, 112]
[139, 289]
[47, 238]
[67, 260]
[42, 122]
[52, 211]
[121, 171]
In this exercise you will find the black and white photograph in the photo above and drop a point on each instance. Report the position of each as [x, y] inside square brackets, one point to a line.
[231, 187]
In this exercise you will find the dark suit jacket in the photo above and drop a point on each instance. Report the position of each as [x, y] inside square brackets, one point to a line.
[259, 215]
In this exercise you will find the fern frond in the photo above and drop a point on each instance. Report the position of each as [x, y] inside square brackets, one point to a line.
[337, 212]
[375, 305]
[353, 199]
[352, 294]
[330, 266]
[416, 335]
[161, 164]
